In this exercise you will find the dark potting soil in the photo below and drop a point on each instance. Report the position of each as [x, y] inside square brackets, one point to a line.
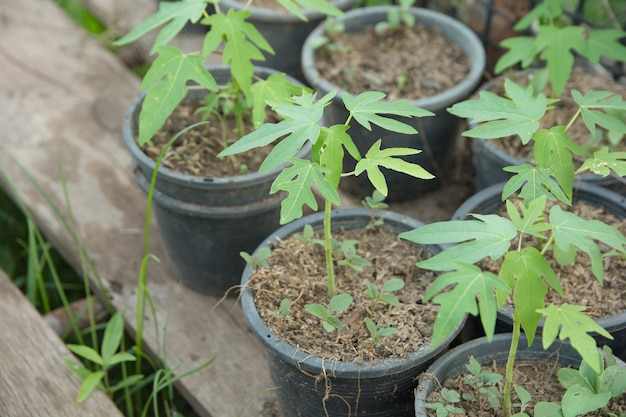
[539, 378]
[195, 152]
[410, 62]
[304, 282]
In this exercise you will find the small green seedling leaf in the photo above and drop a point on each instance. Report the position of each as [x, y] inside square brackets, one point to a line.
[284, 311]
[257, 260]
[386, 294]
[531, 221]
[445, 406]
[350, 258]
[89, 384]
[377, 332]
[338, 303]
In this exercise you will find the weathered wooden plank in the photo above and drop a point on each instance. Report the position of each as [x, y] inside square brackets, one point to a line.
[34, 380]
[62, 98]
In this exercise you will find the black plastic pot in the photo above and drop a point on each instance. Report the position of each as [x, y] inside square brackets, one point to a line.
[437, 135]
[452, 363]
[206, 222]
[489, 201]
[312, 387]
[284, 31]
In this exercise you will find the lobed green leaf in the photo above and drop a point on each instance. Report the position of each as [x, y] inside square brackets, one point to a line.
[569, 322]
[467, 290]
[572, 231]
[489, 236]
[367, 108]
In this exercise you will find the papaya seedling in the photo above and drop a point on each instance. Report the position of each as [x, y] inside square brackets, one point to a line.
[324, 169]
[230, 35]
[525, 272]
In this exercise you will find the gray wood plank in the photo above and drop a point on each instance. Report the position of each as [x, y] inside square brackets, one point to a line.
[34, 380]
[62, 98]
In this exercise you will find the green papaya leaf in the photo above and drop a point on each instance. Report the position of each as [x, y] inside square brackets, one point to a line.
[521, 49]
[579, 400]
[322, 6]
[501, 117]
[569, 322]
[535, 182]
[297, 180]
[276, 89]
[367, 108]
[375, 158]
[613, 381]
[472, 292]
[334, 139]
[569, 230]
[177, 13]
[242, 43]
[531, 221]
[556, 44]
[489, 236]
[553, 150]
[591, 106]
[604, 161]
[604, 42]
[166, 82]
[525, 272]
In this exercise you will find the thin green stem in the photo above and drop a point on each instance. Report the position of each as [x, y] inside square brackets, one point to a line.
[573, 119]
[510, 363]
[547, 244]
[330, 271]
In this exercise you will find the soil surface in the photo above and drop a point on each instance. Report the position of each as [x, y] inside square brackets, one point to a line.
[304, 282]
[403, 63]
[195, 152]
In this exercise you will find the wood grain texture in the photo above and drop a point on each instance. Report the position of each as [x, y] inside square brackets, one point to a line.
[63, 98]
[34, 380]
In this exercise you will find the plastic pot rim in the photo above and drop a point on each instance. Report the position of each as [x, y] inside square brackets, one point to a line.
[230, 182]
[314, 364]
[472, 47]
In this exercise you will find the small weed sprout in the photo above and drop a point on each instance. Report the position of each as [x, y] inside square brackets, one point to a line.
[374, 203]
[107, 357]
[484, 383]
[338, 303]
[306, 237]
[350, 258]
[332, 28]
[376, 332]
[446, 405]
[587, 390]
[396, 18]
[285, 310]
[258, 260]
[386, 293]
